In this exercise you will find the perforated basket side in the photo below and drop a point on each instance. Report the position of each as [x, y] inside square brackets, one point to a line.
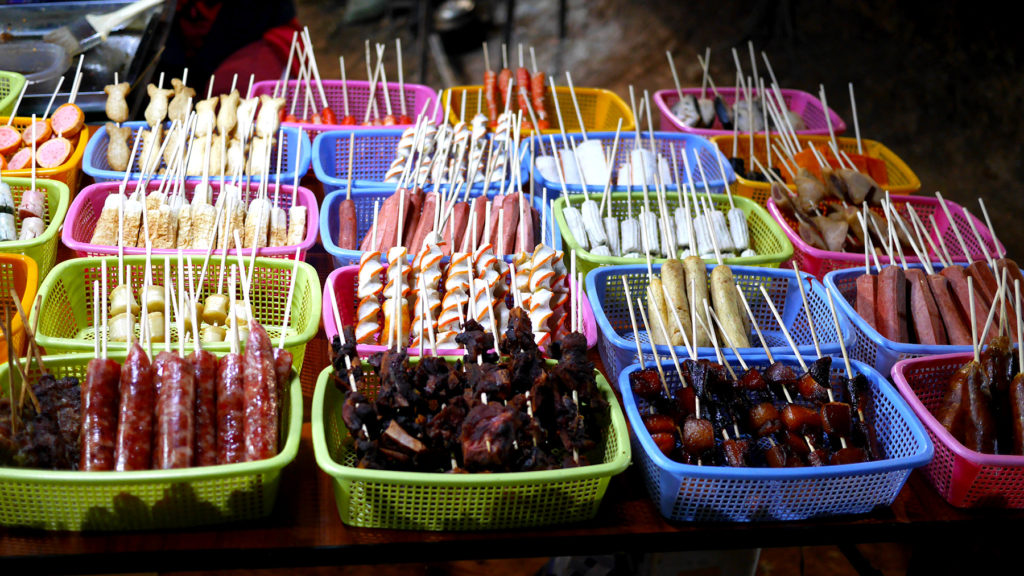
[463, 502]
[65, 317]
[43, 248]
[965, 478]
[149, 499]
[20, 274]
[713, 493]
[97, 165]
[604, 288]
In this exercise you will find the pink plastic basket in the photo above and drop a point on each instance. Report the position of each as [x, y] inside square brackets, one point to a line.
[344, 281]
[417, 98]
[820, 262]
[965, 478]
[85, 211]
[805, 105]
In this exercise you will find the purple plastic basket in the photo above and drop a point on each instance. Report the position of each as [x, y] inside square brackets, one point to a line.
[86, 207]
[345, 280]
[417, 98]
[805, 105]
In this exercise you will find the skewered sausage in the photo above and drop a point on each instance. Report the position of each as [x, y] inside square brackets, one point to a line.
[135, 418]
[230, 413]
[174, 444]
[100, 414]
[204, 367]
[260, 393]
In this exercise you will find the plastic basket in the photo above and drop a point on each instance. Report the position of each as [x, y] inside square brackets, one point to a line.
[43, 248]
[18, 273]
[447, 502]
[417, 98]
[820, 262]
[872, 348]
[11, 84]
[965, 478]
[688, 493]
[69, 172]
[65, 317]
[87, 206]
[97, 166]
[374, 151]
[667, 144]
[808, 107]
[618, 348]
[898, 177]
[364, 201]
[345, 281]
[600, 109]
[146, 499]
[765, 235]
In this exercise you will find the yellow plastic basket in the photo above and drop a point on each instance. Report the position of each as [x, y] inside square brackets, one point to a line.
[436, 501]
[43, 248]
[65, 316]
[146, 499]
[901, 179]
[766, 236]
[69, 172]
[11, 84]
[601, 109]
[19, 273]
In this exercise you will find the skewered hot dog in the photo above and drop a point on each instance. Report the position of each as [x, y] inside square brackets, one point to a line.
[924, 311]
[347, 225]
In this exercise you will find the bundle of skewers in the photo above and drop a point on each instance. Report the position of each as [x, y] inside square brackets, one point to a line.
[699, 413]
[227, 135]
[973, 406]
[309, 99]
[905, 309]
[176, 213]
[741, 109]
[46, 143]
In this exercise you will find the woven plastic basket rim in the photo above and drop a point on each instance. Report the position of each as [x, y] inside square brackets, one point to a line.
[193, 474]
[899, 375]
[71, 164]
[331, 201]
[628, 121]
[322, 151]
[267, 87]
[339, 472]
[304, 271]
[30, 268]
[597, 276]
[820, 254]
[304, 196]
[923, 456]
[301, 164]
[659, 135]
[590, 326]
[56, 216]
[872, 333]
[660, 100]
[872, 149]
[570, 243]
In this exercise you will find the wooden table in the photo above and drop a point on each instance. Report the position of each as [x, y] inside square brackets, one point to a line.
[305, 530]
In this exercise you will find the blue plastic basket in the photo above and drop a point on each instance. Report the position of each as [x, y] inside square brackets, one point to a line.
[871, 347]
[96, 165]
[364, 200]
[375, 149]
[697, 148]
[687, 493]
[618, 348]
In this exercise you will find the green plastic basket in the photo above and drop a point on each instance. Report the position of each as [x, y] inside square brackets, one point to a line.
[147, 499]
[11, 84]
[65, 317]
[448, 502]
[766, 236]
[43, 248]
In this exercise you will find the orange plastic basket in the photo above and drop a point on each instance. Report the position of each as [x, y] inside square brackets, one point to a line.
[601, 109]
[69, 172]
[898, 177]
[18, 273]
